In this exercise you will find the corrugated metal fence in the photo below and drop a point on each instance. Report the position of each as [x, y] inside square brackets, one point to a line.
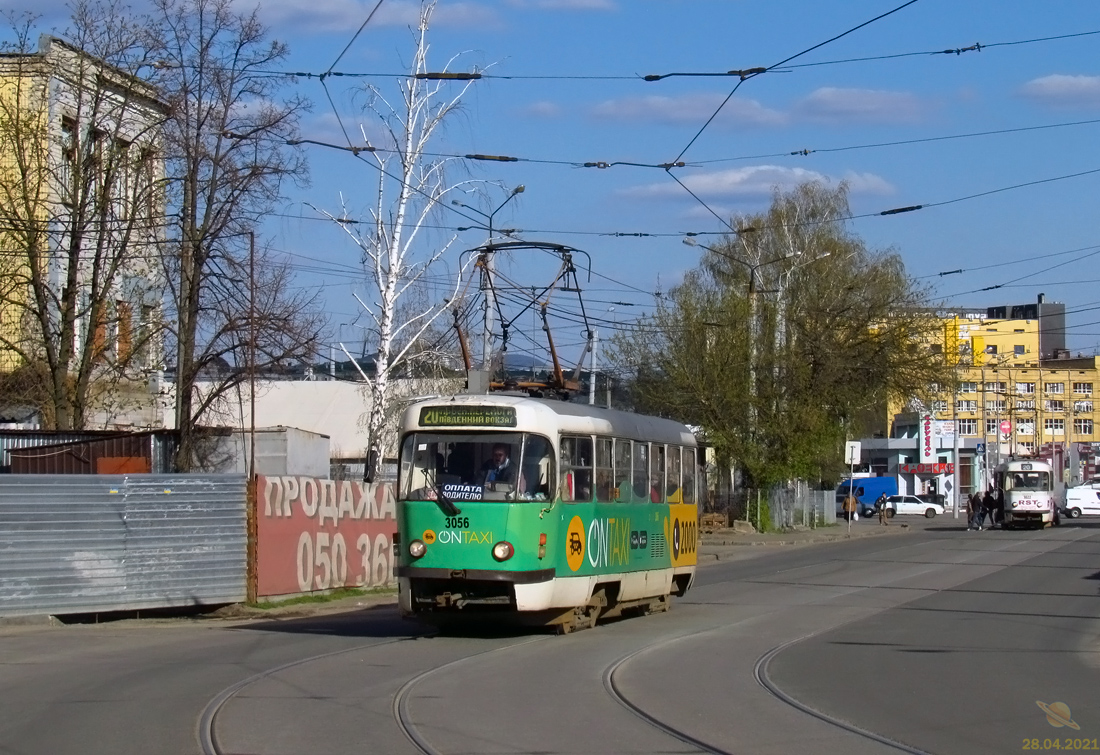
[799, 506]
[88, 544]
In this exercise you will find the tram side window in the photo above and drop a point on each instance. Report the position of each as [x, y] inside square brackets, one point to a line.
[537, 472]
[657, 473]
[622, 471]
[690, 471]
[576, 468]
[605, 471]
[674, 492]
[641, 472]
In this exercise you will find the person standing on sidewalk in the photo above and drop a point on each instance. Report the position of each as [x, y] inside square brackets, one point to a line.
[881, 506]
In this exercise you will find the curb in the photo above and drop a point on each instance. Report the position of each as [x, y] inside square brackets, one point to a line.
[715, 551]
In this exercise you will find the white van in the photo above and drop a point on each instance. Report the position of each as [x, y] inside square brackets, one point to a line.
[1083, 500]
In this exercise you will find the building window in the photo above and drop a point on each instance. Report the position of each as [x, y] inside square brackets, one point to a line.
[967, 406]
[1028, 404]
[994, 387]
[934, 387]
[968, 427]
[1082, 389]
[1082, 406]
[992, 426]
[1018, 350]
[1082, 427]
[1024, 447]
[939, 407]
[992, 349]
[968, 387]
[1054, 405]
[1054, 426]
[1025, 426]
[1025, 387]
[995, 406]
[1054, 387]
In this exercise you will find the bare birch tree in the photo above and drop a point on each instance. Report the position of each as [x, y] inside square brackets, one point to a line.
[79, 211]
[409, 189]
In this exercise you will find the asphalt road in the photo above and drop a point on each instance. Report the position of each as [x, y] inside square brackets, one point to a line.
[935, 641]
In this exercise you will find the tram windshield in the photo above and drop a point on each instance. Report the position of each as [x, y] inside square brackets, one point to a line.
[1026, 481]
[476, 467]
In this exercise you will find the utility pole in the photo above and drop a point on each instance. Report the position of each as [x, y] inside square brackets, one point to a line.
[753, 325]
[251, 520]
[592, 369]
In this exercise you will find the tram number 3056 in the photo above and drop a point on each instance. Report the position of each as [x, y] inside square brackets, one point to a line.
[458, 522]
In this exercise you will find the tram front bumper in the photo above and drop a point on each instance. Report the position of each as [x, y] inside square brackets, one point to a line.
[422, 589]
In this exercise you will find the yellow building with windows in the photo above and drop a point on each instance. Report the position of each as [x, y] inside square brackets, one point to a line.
[1018, 390]
[81, 212]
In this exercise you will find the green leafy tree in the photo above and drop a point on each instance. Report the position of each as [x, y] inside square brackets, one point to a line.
[790, 336]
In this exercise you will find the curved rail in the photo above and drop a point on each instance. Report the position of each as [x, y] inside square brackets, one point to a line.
[760, 671]
[208, 740]
[617, 695]
[401, 699]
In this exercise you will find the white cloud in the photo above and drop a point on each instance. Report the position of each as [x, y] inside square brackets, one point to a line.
[755, 181]
[347, 15]
[1061, 90]
[835, 105]
[688, 109]
[542, 109]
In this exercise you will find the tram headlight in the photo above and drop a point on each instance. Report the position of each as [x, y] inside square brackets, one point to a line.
[503, 550]
[417, 548]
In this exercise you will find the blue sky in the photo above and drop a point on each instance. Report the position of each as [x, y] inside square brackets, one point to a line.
[550, 112]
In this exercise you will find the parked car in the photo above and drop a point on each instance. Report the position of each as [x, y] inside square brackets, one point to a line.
[1082, 501]
[911, 504]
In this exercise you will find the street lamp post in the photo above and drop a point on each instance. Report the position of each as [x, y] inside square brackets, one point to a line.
[753, 325]
[486, 272]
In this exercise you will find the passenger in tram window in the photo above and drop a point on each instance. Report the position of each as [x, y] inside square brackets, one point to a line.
[604, 491]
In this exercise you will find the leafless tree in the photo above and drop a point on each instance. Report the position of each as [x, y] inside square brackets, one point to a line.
[409, 189]
[228, 159]
[79, 211]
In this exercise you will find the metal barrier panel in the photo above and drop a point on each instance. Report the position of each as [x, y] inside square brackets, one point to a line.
[97, 543]
[315, 534]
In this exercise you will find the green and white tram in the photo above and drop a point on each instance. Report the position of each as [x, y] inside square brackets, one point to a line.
[542, 511]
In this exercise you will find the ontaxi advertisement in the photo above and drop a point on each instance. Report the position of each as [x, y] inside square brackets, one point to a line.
[315, 534]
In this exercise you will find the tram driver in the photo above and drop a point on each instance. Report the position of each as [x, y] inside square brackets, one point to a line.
[498, 467]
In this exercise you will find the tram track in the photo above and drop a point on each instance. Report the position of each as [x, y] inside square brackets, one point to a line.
[207, 736]
[401, 699]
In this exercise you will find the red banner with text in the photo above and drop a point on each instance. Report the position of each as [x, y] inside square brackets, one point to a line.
[315, 534]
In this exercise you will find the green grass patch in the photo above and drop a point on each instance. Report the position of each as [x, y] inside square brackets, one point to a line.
[328, 597]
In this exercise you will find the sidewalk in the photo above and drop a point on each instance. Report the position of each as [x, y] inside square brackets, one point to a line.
[730, 544]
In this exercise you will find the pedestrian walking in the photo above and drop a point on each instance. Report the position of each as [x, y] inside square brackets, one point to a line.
[881, 506]
[989, 505]
[973, 506]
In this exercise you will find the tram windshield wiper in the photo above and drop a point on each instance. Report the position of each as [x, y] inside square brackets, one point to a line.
[445, 504]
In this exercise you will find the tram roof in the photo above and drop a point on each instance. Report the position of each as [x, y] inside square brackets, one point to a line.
[533, 414]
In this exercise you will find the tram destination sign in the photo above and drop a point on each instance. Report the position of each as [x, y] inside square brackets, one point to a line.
[468, 416]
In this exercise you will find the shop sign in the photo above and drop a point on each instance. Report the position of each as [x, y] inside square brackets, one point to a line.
[947, 468]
